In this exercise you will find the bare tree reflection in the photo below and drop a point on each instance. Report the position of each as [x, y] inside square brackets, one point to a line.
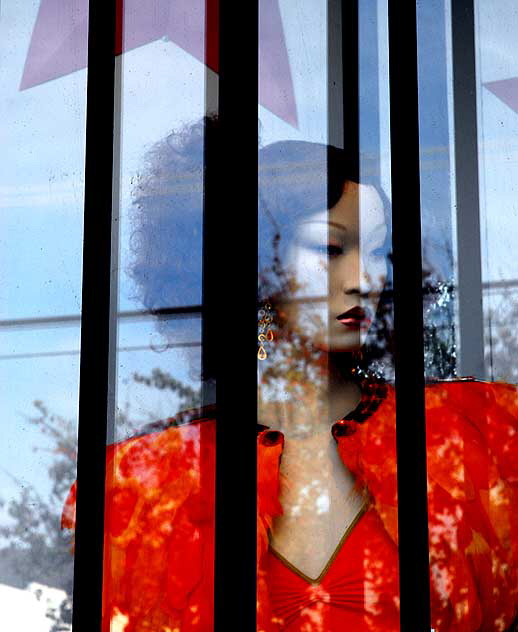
[37, 548]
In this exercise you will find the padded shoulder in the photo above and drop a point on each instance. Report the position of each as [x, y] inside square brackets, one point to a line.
[159, 512]
[159, 527]
[471, 430]
[146, 461]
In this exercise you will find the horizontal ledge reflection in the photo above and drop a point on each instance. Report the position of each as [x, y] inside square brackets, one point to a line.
[130, 316]
[53, 354]
[197, 310]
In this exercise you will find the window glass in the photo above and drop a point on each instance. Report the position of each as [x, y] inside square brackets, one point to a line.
[43, 82]
[497, 86]
[326, 445]
[436, 167]
[467, 129]
[159, 529]
[328, 526]
[162, 105]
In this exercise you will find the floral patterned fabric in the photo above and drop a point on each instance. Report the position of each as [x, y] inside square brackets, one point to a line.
[159, 534]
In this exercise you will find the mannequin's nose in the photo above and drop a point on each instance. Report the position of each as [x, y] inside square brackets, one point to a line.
[349, 271]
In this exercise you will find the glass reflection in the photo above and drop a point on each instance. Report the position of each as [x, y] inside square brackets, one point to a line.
[159, 507]
[41, 185]
[327, 478]
[327, 467]
[497, 91]
[325, 275]
[471, 424]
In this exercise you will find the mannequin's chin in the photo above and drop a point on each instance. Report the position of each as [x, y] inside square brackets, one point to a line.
[337, 346]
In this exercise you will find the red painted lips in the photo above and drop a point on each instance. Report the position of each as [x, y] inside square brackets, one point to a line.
[354, 318]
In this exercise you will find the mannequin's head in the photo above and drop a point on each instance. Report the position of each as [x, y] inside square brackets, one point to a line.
[323, 236]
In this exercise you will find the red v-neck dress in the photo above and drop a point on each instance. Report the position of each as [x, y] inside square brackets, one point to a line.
[347, 596]
[160, 518]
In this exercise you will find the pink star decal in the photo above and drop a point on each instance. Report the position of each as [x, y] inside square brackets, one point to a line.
[506, 90]
[58, 44]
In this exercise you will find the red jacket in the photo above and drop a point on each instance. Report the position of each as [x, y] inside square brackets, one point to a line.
[159, 542]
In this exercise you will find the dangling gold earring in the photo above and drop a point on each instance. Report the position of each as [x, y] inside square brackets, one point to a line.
[265, 321]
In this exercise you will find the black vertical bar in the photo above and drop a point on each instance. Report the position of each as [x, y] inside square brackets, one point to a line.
[343, 119]
[95, 322]
[408, 318]
[335, 78]
[230, 310]
[351, 81]
[469, 267]
[343, 110]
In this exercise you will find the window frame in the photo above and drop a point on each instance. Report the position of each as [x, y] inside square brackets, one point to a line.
[236, 391]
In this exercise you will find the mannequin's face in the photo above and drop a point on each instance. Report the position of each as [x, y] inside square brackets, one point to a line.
[339, 268]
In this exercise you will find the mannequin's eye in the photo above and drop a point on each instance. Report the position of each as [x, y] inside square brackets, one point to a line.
[334, 250]
[327, 250]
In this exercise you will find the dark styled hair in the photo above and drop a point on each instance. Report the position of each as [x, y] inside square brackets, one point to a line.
[296, 179]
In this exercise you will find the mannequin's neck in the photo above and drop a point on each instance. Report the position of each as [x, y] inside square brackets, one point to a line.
[313, 409]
